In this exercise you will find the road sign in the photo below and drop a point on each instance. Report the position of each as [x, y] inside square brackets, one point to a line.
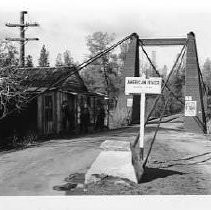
[138, 85]
[141, 85]
[190, 108]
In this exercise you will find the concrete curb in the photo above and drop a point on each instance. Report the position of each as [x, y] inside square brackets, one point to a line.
[114, 160]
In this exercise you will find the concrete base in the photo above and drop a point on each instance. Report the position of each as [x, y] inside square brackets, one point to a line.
[114, 160]
[110, 145]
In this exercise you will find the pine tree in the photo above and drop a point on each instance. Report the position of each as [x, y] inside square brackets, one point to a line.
[29, 61]
[44, 57]
[68, 60]
[59, 61]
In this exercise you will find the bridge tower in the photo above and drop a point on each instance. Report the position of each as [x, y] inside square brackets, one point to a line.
[131, 69]
[194, 89]
[124, 113]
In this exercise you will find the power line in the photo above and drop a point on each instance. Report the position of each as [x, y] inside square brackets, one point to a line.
[22, 25]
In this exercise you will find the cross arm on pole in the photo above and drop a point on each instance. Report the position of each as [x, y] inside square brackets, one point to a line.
[21, 25]
[22, 39]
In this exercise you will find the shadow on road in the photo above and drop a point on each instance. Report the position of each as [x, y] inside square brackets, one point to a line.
[151, 174]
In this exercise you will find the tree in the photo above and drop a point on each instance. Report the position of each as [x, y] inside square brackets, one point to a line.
[59, 61]
[65, 60]
[206, 72]
[123, 50]
[102, 75]
[68, 60]
[29, 61]
[12, 92]
[8, 54]
[98, 76]
[44, 57]
[122, 56]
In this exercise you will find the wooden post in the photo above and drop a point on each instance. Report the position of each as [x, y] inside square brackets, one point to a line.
[141, 137]
[22, 39]
[142, 86]
[22, 25]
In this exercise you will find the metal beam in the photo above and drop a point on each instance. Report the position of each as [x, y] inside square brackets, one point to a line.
[163, 42]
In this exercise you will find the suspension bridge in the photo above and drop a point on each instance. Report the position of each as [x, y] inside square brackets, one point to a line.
[195, 89]
[193, 100]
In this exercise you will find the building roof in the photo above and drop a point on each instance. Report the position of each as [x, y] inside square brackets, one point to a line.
[45, 77]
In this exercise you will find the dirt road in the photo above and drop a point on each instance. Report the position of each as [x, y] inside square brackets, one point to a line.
[34, 171]
[180, 163]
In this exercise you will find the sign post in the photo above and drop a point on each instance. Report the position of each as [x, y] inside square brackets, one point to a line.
[142, 113]
[141, 85]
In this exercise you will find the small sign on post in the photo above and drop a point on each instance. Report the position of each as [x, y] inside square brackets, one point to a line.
[141, 85]
[129, 102]
[190, 108]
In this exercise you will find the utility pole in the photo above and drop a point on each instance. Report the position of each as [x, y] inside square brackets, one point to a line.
[22, 25]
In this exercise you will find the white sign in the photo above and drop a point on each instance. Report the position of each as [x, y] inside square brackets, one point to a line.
[190, 108]
[188, 98]
[129, 102]
[140, 85]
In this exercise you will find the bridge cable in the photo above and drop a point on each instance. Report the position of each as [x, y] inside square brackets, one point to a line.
[89, 61]
[156, 71]
[156, 131]
[179, 57]
[77, 69]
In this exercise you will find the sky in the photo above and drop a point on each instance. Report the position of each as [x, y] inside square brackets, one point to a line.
[65, 24]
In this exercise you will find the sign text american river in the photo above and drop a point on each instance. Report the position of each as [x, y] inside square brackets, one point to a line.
[138, 85]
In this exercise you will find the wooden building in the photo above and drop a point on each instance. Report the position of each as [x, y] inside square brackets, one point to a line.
[59, 108]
